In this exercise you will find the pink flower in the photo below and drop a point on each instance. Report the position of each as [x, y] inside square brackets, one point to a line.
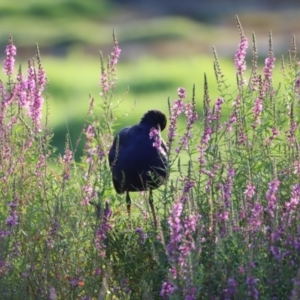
[21, 88]
[155, 136]
[115, 55]
[296, 167]
[231, 121]
[256, 110]
[181, 92]
[269, 66]
[175, 228]
[104, 83]
[192, 117]
[167, 289]
[291, 133]
[101, 234]
[275, 132]
[250, 191]
[12, 219]
[176, 110]
[89, 194]
[239, 58]
[9, 62]
[67, 160]
[271, 196]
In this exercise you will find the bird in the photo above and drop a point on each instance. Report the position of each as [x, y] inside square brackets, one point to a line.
[136, 162]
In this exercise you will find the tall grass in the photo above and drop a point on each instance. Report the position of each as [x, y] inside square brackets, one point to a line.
[228, 218]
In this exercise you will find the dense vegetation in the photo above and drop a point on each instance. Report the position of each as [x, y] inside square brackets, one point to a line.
[228, 213]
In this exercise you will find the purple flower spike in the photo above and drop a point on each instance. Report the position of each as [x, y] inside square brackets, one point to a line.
[251, 283]
[239, 58]
[250, 191]
[101, 234]
[167, 289]
[67, 161]
[115, 55]
[142, 234]
[257, 110]
[269, 66]
[176, 110]
[181, 93]
[9, 62]
[231, 289]
[12, 219]
[271, 196]
[191, 118]
[155, 136]
[175, 227]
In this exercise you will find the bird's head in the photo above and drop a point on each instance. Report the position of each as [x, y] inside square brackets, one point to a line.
[155, 118]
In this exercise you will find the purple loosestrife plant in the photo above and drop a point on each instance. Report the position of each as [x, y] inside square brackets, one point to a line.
[228, 187]
[191, 117]
[52, 293]
[291, 133]
[155, 136]
[9, 61]
[251, 283]
[180, 248]
[89, 147]
[40, 168]
[181, 92]
[250, 191]
[37, 99]
[297, 86]
[89, 193]
[115, 54]
[24, 150]
[12, 219]
[98, 133]
[101, 234]
[291, 206]
[255, 220]
[230, 290]
[176, 110]
[108, 76]
[268, 68]
[142, 235]
[188, 185]
[271, 197]
[212, 127]
[240, 56]
[52, 233]
[67, 163]
[244, 245]
[257, 110]
[175, 228]
[167, 289]
[255, 79]
[271, 138]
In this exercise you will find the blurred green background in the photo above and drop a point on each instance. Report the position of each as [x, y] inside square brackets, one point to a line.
[165, 44]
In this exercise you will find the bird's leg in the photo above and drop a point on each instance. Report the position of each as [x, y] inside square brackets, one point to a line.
[128, 201]
[152, 208]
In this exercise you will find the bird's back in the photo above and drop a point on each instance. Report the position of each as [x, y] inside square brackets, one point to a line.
[132, 157]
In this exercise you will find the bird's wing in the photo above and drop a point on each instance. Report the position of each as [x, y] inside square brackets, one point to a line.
[120, 141]
[112, 152]
[117, 143]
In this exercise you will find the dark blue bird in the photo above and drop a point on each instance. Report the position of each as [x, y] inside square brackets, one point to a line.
[136, 163]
